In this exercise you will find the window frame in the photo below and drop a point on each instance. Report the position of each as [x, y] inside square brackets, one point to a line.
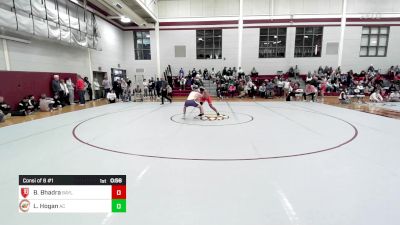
[312, 46]
[140, 51]
[368, 46]
[205, 50]
[265, 36]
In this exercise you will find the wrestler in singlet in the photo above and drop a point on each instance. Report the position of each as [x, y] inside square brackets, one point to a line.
[193, 100]
[207, 98]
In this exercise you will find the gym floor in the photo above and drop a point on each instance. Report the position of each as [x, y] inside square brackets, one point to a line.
[368, 108]
[264, 162]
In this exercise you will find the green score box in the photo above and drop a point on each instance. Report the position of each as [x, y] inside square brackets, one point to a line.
[118, 205]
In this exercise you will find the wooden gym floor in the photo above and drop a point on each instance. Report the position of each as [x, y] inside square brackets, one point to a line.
[367, 108]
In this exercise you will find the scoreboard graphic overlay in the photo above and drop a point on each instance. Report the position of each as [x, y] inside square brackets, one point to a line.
[72, 194]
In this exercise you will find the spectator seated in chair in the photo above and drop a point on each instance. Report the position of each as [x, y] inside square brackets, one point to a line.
[232, 90]
[254, 72]
[138, 94]
[241, 90]
[269, 89]
[182, 83]
[262, 90]
[240, 73]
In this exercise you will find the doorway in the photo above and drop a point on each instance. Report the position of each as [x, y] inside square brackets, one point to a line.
[99, 76]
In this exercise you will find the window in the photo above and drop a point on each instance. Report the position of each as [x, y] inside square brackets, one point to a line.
[209, 44]
[272, 43]
[308, 42]
[374, 41]
[142, 45]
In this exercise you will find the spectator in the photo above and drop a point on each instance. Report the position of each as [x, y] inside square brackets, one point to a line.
[279, 85]
[240, 73]
[371, 68]
[194, 73]
[152, 88]
[88, 88]
[182, 83]
[5, 109]
[291, 72]
[205, 74]
[213, 75]
[269, 89]
[2, 116]
[343, 98]
[164, 91]
[262, 90]
[159, 84]
[224, 72]
[323, 87]
[117, 87]
[145, 88]
[107, 85]
[320, 70]
[229, 72]
[219, 90]
[232, 90]
[296, 71]
[169, 91]
[129, 82]
[181, 73]
[138, 93]
[71, 88]
[57, 102]
[394, 96]
[111, 96]
[286, 88]
[254, 72]
[310, 90]
[65, 93]
[126, 94]
[46, 104]
[23, 107]
[234, 72]
[251, 89]
[80, 87]
[242, 91]
[376, 97]
[32, 103]
[97, 91]
[309, 77]
[55, 85]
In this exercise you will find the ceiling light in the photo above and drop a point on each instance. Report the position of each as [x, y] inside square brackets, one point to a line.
[125, 19]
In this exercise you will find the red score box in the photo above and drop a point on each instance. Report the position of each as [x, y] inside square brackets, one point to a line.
[118, 191]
